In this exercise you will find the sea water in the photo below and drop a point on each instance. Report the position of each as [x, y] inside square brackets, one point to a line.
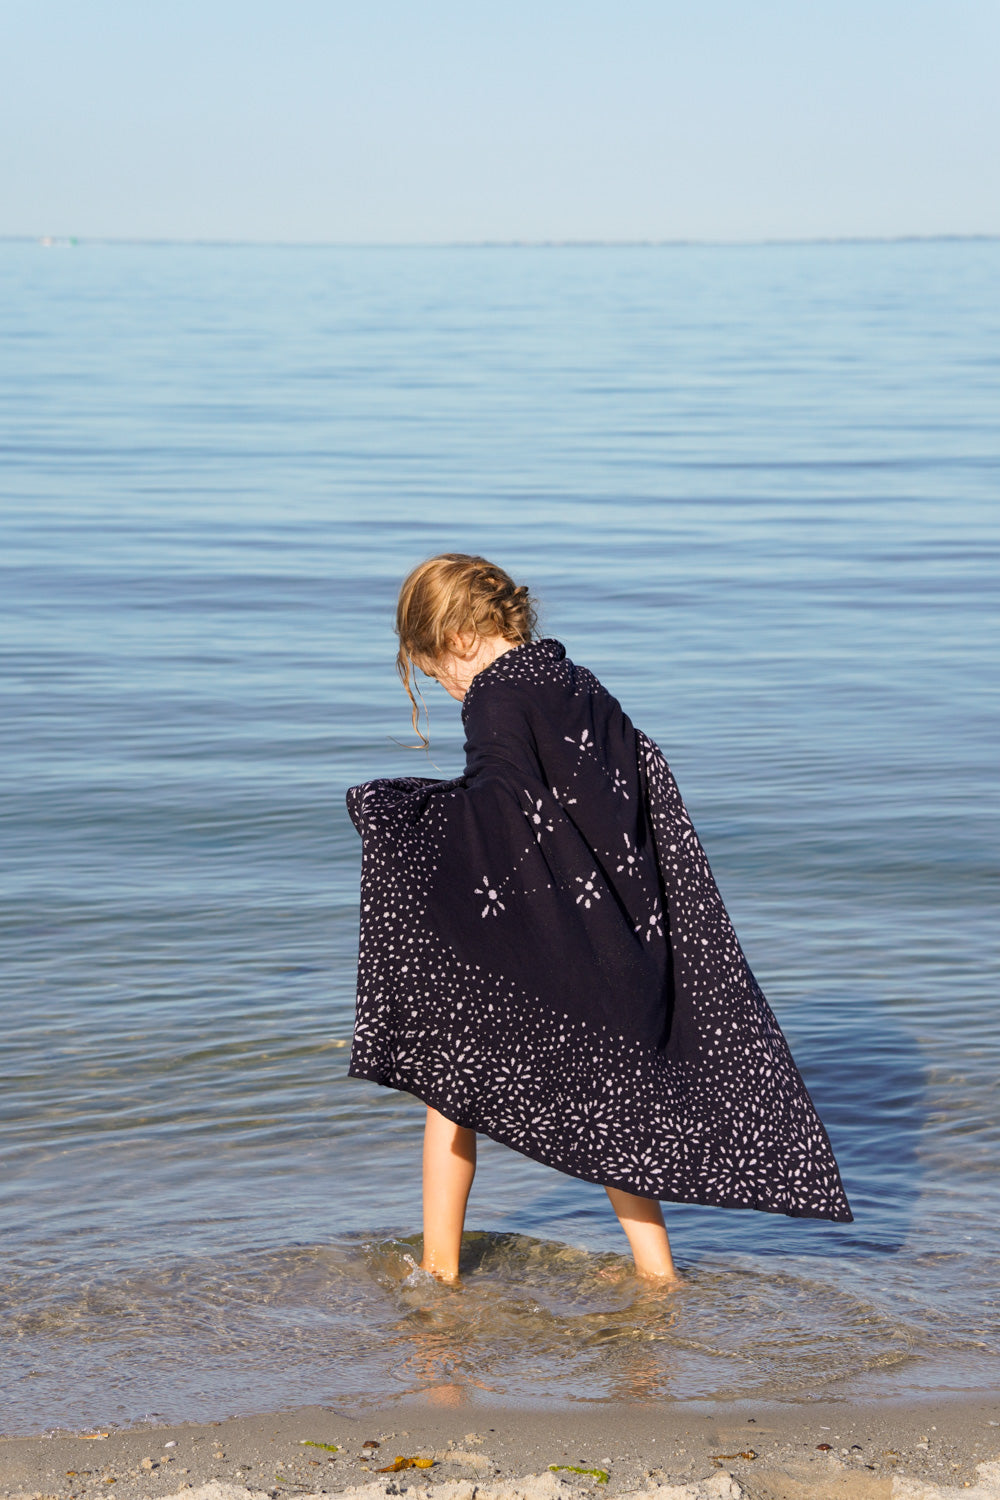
[755, 490]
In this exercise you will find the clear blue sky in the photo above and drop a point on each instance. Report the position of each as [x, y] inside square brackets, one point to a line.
[431, 120]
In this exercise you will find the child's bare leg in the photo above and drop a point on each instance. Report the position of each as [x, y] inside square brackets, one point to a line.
[642, 1221]
[449, 1167]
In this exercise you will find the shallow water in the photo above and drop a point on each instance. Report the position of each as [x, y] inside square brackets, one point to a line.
[755, 489]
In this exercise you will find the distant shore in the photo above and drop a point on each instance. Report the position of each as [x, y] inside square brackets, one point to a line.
[878, 1450]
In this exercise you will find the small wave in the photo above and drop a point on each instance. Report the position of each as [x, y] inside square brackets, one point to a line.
[359, 1319]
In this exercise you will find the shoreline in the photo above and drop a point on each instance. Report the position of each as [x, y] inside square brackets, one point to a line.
[890, 1449]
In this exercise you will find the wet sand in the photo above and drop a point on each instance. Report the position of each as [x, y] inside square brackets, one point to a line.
[938, 1449]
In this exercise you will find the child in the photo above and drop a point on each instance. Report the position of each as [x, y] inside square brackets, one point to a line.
[545, 956]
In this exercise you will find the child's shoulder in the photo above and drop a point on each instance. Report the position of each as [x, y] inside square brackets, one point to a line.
[521, 676]
[533, 685]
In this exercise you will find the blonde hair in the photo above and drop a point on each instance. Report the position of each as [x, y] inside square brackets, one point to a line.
[452, 595]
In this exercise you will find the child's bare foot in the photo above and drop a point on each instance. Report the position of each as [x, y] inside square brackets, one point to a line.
[618, 1274]
[660, 1278]
[446, 1278]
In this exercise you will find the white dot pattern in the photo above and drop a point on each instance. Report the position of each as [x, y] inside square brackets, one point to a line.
[545, 957]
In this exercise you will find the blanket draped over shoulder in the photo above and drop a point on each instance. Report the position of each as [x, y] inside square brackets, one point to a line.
[545, 957]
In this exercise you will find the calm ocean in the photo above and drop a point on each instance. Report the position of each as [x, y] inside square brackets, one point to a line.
[756, 490]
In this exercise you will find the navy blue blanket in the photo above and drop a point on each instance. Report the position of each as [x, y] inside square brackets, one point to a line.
[545, 957]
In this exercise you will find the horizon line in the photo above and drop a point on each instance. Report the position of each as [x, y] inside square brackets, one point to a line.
[51, 241]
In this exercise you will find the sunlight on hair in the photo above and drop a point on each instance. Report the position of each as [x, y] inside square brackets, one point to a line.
[450, 595]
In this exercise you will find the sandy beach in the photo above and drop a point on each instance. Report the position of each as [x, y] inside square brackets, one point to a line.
[934, 1450]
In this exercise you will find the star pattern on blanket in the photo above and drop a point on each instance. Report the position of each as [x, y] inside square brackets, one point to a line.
[575, 989]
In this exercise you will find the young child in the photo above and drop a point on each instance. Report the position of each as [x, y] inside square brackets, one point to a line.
[545, 956]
